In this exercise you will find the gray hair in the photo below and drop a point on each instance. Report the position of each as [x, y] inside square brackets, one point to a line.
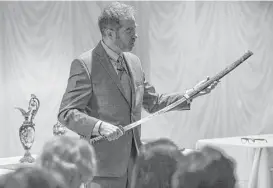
[68, 156]
[112, 14]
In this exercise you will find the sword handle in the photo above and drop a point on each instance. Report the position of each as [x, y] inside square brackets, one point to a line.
[97, 139]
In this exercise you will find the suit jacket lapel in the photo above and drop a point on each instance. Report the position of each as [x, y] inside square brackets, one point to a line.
[105, 62]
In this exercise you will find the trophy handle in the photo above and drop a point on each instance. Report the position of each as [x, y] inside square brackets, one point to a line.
[34, 105]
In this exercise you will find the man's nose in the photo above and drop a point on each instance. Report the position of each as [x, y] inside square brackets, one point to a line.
[135, 36]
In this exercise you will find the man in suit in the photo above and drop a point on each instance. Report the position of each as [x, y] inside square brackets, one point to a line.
[106, 90]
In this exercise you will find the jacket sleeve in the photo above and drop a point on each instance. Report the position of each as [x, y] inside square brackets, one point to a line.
[75, 99]
[153, 101]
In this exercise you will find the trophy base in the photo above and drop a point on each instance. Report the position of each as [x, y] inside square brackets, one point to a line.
[27, 158]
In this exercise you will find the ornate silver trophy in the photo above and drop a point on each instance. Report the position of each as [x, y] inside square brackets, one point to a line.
[59, 129]
[27, 129]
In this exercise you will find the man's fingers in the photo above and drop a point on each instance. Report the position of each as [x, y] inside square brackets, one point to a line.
[114, 133]
[204, 81]
[120, 131]
[214, 84]
[112, 136]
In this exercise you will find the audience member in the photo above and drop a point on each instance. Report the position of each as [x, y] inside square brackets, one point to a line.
[155, 165]
[32, 177]
[72, 157]
[208, 168]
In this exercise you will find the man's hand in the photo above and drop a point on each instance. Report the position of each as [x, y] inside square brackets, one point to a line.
[205, 91]
[208, 89]
[111, 132]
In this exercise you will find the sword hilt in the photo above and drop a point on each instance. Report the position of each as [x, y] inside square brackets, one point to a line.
[97, 139]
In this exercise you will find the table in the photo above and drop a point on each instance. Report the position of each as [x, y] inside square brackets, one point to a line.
[254, 160]
[11, 163]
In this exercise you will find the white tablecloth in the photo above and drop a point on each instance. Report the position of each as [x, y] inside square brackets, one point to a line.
[254, 160]
[10, 163]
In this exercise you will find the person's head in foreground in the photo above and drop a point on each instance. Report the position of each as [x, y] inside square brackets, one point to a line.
[155, 165]
[208, 168]
[32, 177]
[74, 158]
[118, 27]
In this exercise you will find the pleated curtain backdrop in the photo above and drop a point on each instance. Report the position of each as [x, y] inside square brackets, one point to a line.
[179, 44]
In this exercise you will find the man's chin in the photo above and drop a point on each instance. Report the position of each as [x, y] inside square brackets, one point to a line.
[128, 49]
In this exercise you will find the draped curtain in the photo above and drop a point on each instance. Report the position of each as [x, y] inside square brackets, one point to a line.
[179, 44]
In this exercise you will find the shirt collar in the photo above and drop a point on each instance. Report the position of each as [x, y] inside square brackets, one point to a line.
[113, 55]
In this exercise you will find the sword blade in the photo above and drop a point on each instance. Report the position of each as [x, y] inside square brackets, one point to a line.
[149, 117]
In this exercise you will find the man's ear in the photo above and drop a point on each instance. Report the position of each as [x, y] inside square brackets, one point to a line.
[110, 33]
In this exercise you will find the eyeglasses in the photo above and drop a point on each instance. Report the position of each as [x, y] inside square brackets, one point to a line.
[253, 140]
[181, 149]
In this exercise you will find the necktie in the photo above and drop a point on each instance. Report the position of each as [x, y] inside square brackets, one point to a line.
[124, 77]
[120, 67]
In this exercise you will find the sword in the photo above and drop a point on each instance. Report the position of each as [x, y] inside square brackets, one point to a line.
[186, 97]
